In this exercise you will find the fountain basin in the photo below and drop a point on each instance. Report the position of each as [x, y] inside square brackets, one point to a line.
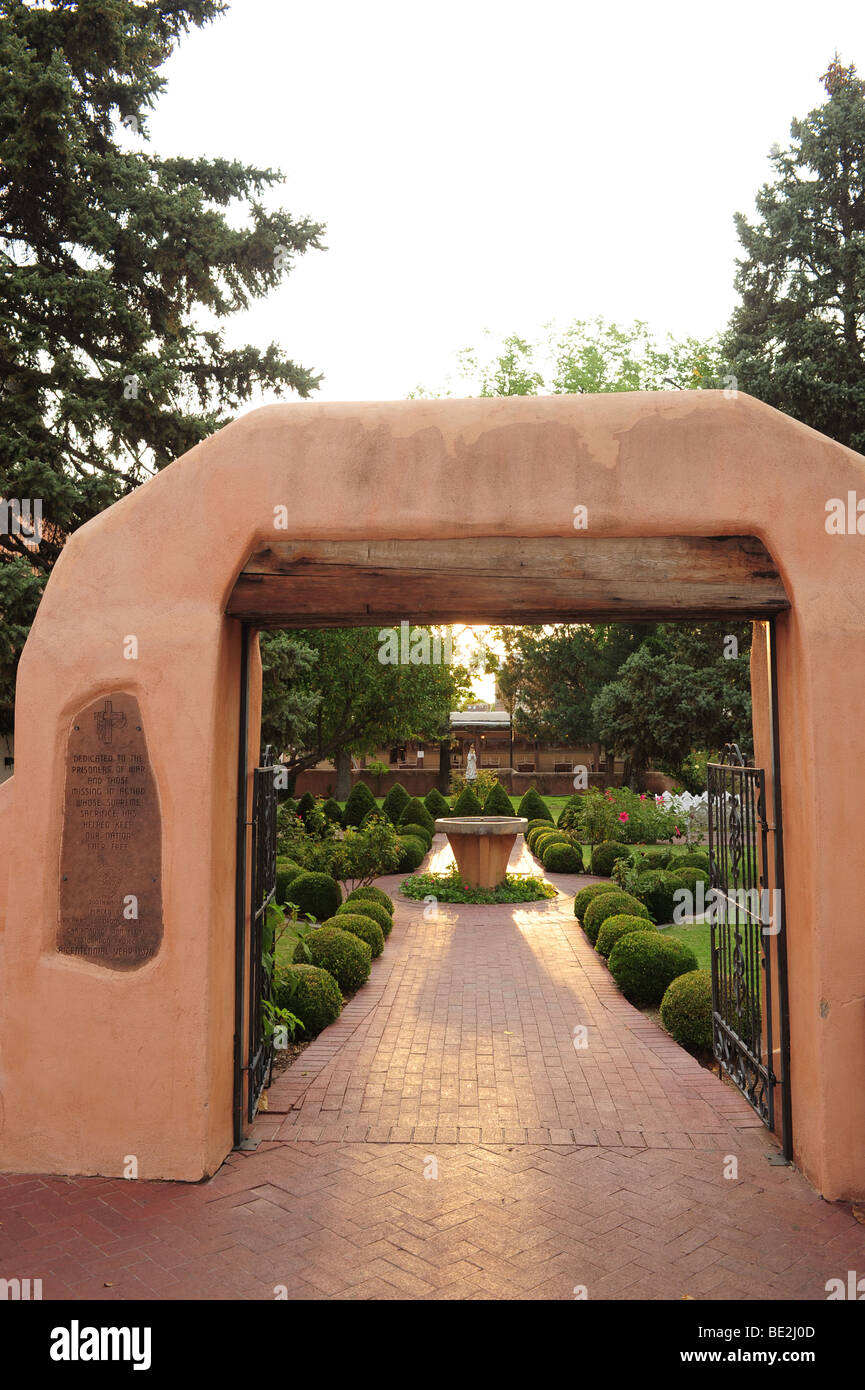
[482, 845]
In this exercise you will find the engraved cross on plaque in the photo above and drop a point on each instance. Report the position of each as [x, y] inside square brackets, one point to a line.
[106, 719]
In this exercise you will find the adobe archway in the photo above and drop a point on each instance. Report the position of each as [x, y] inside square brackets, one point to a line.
[100, 1063]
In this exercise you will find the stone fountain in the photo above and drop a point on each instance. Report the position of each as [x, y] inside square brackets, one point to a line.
[482, 845]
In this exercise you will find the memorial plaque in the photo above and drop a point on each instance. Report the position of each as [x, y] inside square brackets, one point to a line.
[111, 850]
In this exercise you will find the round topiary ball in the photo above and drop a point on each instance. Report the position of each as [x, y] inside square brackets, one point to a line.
[692, 859]
[318, 894]
[375, 895]
[365, 927]
[286, 870]
[658, 889]
[605, 855]
[644, 963]
[563, 859]
[418, 832]
[690, 877]
[412, 854]
[686, 1010]
[365, 907]
[588, 895]
[340, 952]
[607, 905]
[309, 992]
[547, 838]
[613, 928]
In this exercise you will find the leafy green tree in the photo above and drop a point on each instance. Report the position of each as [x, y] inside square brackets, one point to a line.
[796, 339]
[360, 702]
[116, 270]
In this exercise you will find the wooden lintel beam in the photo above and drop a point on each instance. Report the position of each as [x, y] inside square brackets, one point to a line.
[506, 580]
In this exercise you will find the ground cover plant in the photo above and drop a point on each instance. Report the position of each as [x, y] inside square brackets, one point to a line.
[451, 888]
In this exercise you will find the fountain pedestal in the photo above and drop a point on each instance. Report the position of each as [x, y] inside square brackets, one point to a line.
[482, 845]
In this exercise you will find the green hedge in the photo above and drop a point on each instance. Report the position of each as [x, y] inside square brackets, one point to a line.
[318, 894]
[563, 859]
[533, 808]
[686, 1010]
[309, 992]
[367, 908]
[340, 952]
[360, 800]
[375, 895]
[588, 895]
[364, 927]
[614, 928]
[605, 855]
[393, 804]
[607, 905]
[644, 963]
[498, 803]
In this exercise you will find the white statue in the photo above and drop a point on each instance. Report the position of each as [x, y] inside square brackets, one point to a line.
[471, 765]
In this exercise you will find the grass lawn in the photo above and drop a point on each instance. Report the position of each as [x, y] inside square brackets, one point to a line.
[696, 937]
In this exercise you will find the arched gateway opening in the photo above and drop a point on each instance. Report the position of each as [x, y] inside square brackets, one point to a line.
[118, 1022]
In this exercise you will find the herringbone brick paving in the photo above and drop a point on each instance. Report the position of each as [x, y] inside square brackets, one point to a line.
[446, 1140]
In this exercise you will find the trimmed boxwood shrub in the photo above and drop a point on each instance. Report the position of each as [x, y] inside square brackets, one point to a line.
[537, 824]
[533, 808]
[498, 803]
[436, 804]
[467, 804]
[365, 927]
[607, 905]
[613, 928]
[588, 895]
[375, 895]
[374, 814]
[412, 853]
[532, 836]
[318, 894]
[693, 859]
[360, 800]
[418, 832]
[341, 952]
[309, 992]
[286, 870]
[365, 907]
[415, 813]
[543, 842]
[656, 858]
[570, 804]
[644, 963]
[605, 855]
[690, 877]
[656, 889]
[305, 805]
[563, 859]
[333, 810]
[686, 1010]
[394, 802]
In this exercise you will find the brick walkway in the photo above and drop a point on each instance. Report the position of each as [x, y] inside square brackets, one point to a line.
[445, 1139]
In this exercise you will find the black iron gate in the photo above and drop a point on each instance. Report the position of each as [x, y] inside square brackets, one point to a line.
[260, 1047]
[748, 1001]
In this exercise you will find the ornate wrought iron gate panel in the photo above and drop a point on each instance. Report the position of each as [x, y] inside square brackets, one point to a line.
[264, 804]
[743, 1004]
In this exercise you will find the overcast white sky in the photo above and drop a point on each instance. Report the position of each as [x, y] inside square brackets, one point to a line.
[494, 165]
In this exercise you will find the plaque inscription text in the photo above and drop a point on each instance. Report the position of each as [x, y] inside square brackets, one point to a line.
[111, 850]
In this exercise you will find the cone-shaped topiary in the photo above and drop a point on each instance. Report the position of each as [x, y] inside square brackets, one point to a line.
[566, 815]
[415, 813]
[498, 803]
[305, 805]
[563, 859]
[613, 928]
[340, 952]
[644, 963]
[686, 1010]
[588, 895]
[365, 907]
[360, 800]
[605, 855]
[436, 804]
[607, 905]
[376, 813]
[376, 895]
[318, 894]
[365, 927]
[312, 994]
[333, 810]
[533, 807]
[467, 804]
[394, 802]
